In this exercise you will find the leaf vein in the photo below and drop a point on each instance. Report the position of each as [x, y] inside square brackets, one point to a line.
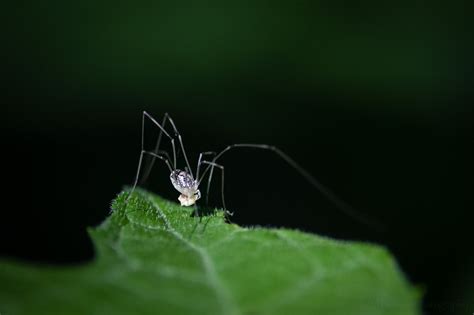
[222, 294]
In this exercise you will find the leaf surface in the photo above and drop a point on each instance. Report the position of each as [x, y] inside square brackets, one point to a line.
[153, 257]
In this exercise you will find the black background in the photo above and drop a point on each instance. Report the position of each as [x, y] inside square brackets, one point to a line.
[382, 116]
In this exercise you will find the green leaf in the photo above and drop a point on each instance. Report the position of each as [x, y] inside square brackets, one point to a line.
[153, 257]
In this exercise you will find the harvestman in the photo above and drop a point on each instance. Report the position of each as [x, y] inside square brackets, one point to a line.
[188, 185]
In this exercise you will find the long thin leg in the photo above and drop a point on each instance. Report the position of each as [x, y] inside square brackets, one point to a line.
[142, 153]
[145, 114]
[157, 150]
[182, 145]
[147, 172]
[212, 164]
[343, 206]
[199, 162]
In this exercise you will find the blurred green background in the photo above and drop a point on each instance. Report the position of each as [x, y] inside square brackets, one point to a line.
[373, 98]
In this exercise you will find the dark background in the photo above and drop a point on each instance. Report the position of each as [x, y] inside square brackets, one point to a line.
[373, 99]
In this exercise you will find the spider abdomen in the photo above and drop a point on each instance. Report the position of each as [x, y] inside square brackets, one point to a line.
[186, 185]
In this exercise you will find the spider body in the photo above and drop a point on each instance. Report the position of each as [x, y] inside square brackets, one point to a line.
[187, 186]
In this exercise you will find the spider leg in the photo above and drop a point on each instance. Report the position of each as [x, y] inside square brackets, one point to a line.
[162, 131]
[151, 163]
[180, 139]
[142, 153]
[157, 150]
[340, 204]
[213, 164]
[199, 163]
[153, 154]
